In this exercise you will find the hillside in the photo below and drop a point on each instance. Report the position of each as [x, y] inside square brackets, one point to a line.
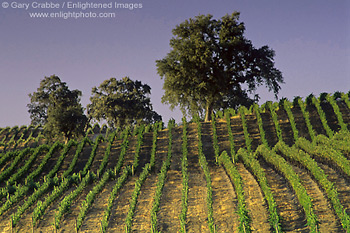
[251, 170]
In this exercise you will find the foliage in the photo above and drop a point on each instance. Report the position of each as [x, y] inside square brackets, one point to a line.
[121, 103]
[57, 108]
[67, 120]
[209, 61]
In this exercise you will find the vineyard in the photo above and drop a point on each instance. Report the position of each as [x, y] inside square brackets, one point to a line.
[278, 167]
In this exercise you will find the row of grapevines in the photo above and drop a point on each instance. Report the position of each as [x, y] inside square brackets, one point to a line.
[140, 134]
[322, 115]
[139, 182]
[87, 203]
[230, 135]
[260, 125]
[107, 154]
[319, 175]
[106, 176]
[19, 157]
[161, 179]
[31, 160]
[18, 192]
[133, 201]
[12, 140]
[98, 187]
[325, 152]
[304, 199]
[86, 178]
[253, 165]
[47, 157]
[184, 165]
[88, 164]
[4, 129]
[204, 164]
[345, 98]
[120, 182]
[156, 129]
[8, 156]
[337, 112]
[123, 148]
[41, 189]
[274, 117]
[23, 190]
[78, 151]
[58, 191]
[248, 140]
[215, 138]
[299, 102]
[340, 143]
[65, 204]
[30, 137]
[288, 108]
[32, 199]
[244, 219]
[13, 130]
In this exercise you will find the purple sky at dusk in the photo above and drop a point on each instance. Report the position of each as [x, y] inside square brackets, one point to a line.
[311, 40]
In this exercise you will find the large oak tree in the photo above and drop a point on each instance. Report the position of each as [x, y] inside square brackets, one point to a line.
[212, 66]
[121, 103]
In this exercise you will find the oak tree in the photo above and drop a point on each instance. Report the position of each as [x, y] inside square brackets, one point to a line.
[57, 108]
[121, 103]
[212, 66]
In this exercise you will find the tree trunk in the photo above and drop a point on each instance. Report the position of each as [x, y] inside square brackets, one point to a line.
[208, 111]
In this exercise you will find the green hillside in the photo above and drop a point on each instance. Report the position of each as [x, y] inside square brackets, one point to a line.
[279, 167]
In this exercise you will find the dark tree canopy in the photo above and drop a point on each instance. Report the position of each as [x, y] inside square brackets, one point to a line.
[121, 103]
[213, 66]
[57, 108]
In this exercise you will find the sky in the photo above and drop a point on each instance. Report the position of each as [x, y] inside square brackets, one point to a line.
[311, 40]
